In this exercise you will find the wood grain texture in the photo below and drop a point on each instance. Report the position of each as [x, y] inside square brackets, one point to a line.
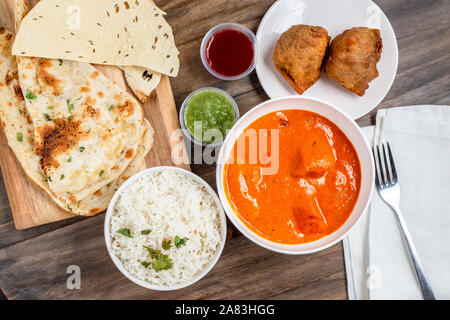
[33, 262]
[31, 206]
[245, 270]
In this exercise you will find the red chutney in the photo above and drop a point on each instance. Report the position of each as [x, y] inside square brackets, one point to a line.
[315, 188]
[229, 53]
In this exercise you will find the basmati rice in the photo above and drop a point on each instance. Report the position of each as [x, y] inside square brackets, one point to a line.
[170, 204]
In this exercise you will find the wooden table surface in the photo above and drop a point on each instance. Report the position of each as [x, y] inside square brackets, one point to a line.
[33, 263]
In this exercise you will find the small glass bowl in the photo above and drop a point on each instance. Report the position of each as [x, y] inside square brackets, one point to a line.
[183, 110]
[229, 26]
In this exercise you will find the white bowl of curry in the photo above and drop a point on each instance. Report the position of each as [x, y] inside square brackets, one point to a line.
[295, 174]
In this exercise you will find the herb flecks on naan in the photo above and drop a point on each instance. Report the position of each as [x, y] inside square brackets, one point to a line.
[122, 33]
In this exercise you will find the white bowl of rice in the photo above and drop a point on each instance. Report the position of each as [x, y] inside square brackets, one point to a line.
[165, 228]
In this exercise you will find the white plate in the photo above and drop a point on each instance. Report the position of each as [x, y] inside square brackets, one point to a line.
[335, 16]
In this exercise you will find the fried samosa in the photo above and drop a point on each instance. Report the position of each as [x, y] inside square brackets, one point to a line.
[352, 58]
[299, 53]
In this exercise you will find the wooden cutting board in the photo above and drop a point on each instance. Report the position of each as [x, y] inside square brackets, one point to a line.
[30, 206]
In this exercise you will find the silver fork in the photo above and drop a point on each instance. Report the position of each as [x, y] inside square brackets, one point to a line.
[386, 181]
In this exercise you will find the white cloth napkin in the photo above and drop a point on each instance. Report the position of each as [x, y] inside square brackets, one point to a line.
[377, 261]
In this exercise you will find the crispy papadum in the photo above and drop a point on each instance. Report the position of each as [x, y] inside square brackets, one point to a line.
[122, 33]
[142, 81]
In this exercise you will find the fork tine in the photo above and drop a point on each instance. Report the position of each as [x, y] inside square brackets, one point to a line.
[391, 160]
[386, 166]
[380, 165]
[377, 181]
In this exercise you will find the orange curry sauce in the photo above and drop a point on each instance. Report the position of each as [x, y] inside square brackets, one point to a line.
[315, 188]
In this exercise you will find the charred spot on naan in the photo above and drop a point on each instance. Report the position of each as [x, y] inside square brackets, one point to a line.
[90, 111]
[11, 76]
[126, 108]
[18, 93]
[73, 199]
[49, 83]
[94, 211]
[89, 108]
[27, 63]
[8, 35]
[12, 81]
[26, 115]
[129, 153]
[56, 138]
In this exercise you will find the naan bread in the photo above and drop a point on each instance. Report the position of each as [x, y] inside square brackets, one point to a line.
[86, 128]
[122, 33]
[99, 200]
[15, 120]
[19, 130]
[141, 81]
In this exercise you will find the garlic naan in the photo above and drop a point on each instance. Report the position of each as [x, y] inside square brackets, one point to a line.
[86, 128]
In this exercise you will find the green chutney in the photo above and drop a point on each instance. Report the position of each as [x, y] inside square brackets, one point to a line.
[209, 115]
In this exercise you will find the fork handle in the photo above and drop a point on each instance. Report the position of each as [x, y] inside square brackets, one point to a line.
[427, 291]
